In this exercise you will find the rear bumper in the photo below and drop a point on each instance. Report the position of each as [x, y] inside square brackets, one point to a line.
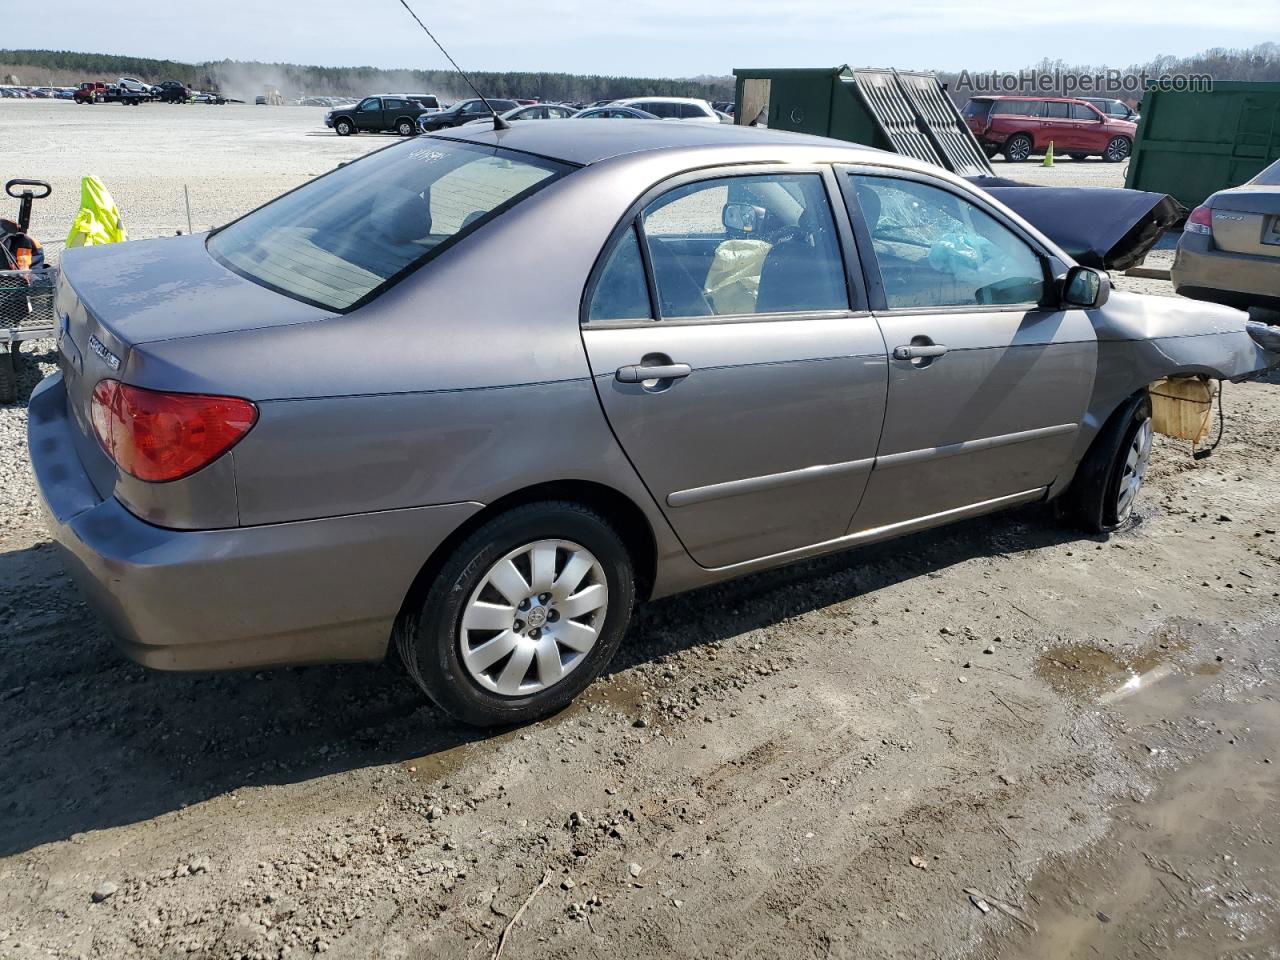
[1237, 279]
[316, 591]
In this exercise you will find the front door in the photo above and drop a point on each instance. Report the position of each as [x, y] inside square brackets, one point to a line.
[744, 384]
[988, 379]
[368, 115]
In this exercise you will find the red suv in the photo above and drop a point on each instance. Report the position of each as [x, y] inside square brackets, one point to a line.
[1021, 126]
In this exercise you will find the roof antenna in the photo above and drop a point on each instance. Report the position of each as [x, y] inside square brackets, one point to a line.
[498, 122]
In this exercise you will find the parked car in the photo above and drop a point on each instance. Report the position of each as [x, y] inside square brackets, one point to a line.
[701, 377]
[613, 113]
[538, 111]
[673, 108]
[1229, 251]
[172, 91]
[65, 93]
[462, 112]
[90, 92]
[1117, 109]
[375, 114]
[1021, 126]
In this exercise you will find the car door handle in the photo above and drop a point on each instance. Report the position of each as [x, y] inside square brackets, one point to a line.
[638, 373]
[918, 351]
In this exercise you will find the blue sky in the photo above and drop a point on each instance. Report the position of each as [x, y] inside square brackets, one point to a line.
[661, 37]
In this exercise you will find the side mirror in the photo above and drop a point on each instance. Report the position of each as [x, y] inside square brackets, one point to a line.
[1085, 287]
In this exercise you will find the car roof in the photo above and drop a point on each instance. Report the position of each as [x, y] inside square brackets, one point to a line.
[1029, 96]
[627, 101]
[586, 143]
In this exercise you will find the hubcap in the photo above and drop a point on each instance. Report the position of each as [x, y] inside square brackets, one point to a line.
[1135, 468]
[533, 619]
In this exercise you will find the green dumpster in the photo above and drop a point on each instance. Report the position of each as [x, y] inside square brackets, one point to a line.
[907, 113]
[1193, 143]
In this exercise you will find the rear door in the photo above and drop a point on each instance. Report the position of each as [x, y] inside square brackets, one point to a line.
[1056, 126]
[988, 379]
[744, 383]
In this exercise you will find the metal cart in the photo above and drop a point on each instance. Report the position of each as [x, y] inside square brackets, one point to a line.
[26, 296]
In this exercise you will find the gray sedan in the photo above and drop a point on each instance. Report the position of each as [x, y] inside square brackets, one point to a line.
[475, 395]
[1229, 251]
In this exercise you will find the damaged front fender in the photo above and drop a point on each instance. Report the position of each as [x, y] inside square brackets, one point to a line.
[1142, 339]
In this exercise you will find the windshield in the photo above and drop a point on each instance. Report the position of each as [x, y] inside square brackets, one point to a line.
[337, 240]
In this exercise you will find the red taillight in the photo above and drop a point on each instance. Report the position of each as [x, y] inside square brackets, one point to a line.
[1200, 220]
[157, 436]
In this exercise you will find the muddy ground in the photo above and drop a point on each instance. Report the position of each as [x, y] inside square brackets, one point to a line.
[814, 762]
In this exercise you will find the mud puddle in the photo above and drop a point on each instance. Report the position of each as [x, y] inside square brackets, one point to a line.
[1190, 867]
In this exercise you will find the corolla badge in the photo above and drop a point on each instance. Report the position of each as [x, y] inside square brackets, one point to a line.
[105, 355]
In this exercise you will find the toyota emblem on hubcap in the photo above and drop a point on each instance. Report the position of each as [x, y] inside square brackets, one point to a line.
[537, 617]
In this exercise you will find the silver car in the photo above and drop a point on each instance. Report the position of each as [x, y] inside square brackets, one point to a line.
[479, 393]
[1229, 251]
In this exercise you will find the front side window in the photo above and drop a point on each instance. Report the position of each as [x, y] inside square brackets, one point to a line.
[936, 249]
[372, 103]
[745, 245]
[1081, 111]
[691, 111]
[339, 238]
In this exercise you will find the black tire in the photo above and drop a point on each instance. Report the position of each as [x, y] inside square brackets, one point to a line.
[404, 127]
[1079, 156]
[990, 150]
[343, 127]
[1092, 502]
[1118, 150]
[430, 638]
[1017, 149]
[8, 375]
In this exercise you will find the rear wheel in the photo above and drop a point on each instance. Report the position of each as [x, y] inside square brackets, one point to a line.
[1017, 148]
[524, 614]
[404, 128]
[1108, 480]
[1117, 150]
[343, 127]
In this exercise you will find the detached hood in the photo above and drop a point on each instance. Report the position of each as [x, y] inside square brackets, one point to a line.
[172, 287]
[1107, 227]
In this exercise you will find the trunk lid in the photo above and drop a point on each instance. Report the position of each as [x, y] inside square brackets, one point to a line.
[112, 298]
[1247, 220]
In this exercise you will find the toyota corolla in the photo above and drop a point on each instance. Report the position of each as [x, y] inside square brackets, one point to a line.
[475, 395]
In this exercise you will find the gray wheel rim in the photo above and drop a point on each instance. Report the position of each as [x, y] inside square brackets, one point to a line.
[1137, 458]
[1118, 149]
[535, 616]
[1020, 149]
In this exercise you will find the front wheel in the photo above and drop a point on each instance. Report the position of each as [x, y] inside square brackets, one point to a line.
[1017, 149]
[1117, 150]
[524, 614]
[1110, 476]
[343, 127]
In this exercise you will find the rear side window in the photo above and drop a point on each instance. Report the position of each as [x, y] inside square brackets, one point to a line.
[393, 104]
[340, 238]
[745, 245]
[664, 110]
[1016, 108]
[977, 108]
[622, 292]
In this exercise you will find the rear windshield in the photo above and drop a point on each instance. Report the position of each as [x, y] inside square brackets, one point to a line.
[337, 240]
[1269, 177]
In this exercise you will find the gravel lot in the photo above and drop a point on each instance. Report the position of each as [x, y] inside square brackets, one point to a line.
[815, 762]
